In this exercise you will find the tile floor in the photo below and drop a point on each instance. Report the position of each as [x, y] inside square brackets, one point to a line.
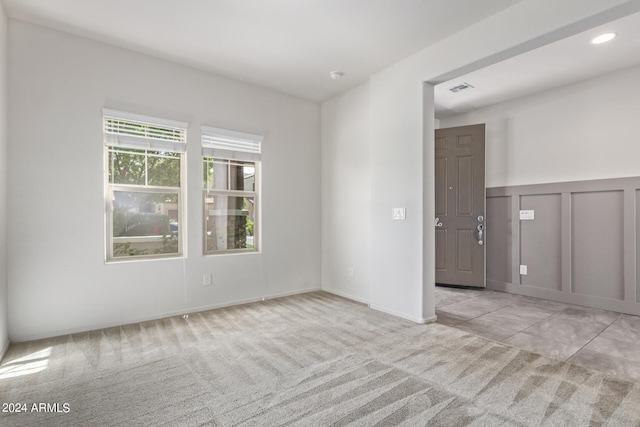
[597, 339]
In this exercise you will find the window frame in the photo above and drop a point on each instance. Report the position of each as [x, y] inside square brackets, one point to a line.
[231, 147]
[150, 145]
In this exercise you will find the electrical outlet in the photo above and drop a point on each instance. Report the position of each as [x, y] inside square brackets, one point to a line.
[527, 215]
[523, 270]
[206, 279]
[352, 272]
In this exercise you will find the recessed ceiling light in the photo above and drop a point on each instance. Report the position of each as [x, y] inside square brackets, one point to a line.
[335, 75]
[603, 38]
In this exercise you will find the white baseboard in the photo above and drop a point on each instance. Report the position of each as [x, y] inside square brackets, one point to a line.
[404, 316]
[5, 348]
[213, 307]
[243, 301]
[346, 295]
[182, 312]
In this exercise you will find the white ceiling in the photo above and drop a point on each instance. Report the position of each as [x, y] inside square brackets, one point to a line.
[291, 45]
[286, 45]
[566, 61]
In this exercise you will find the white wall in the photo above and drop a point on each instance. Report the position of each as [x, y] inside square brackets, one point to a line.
[586, 130]
[397, 181]
[346, 195]
[4, 331]
[400, 137]
[58, 280]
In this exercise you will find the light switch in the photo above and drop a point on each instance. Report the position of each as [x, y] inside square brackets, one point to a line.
[526, 215]
[398, 213]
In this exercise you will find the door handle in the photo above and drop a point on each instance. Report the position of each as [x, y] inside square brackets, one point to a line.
[480, 229]
[437, 223]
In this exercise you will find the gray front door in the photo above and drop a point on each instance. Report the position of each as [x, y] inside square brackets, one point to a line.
[460, 202]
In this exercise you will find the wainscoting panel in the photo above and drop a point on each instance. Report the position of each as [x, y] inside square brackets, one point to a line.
[541, 241]
[499, 241]
[580, 248]
[597, 244]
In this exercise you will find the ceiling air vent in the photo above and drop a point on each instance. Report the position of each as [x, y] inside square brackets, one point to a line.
[460, 87]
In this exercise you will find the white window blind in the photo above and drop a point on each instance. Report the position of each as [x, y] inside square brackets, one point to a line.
[231, 144]
[128, 130]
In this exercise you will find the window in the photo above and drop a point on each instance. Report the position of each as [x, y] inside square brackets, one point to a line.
[145, 158]
[231, 171]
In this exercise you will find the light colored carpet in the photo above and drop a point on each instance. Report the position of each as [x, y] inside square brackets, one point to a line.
[309, 360]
